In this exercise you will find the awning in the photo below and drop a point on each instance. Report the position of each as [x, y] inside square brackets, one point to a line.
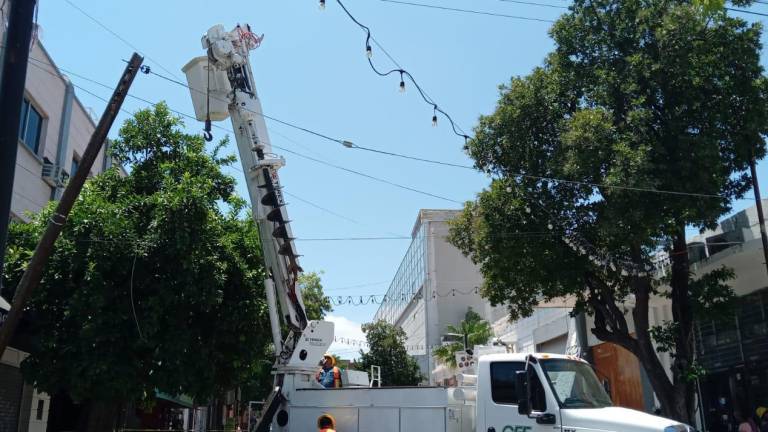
[182, 400]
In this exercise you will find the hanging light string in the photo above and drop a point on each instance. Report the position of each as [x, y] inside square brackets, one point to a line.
[400, 298]
[403, 73]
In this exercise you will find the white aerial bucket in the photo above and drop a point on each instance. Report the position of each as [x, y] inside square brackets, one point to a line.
[215, 104]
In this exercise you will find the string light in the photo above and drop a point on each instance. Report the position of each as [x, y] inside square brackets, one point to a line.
[403, 73]
[368, 51]
[322, 5]
[434, 116]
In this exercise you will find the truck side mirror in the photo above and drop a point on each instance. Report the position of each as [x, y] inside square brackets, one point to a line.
[521, 388]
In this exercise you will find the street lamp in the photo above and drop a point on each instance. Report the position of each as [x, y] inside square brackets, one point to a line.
[465, 339]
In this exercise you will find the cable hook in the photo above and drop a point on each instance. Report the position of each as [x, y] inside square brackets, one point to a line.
[207, 130]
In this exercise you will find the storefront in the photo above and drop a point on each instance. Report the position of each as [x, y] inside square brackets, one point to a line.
[734, 353]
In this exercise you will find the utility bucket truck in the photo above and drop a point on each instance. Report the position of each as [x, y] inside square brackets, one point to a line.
[509, 393]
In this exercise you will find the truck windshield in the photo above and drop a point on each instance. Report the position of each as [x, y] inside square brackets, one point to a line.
[575, 384]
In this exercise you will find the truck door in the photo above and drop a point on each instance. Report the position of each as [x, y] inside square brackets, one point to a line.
[500, 404]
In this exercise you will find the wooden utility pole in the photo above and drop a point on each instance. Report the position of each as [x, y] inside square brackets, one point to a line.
[34, 271]
[14, 74]
[759, 202]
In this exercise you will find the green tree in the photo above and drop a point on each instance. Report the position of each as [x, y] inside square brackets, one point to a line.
[637, 97]
[476, 330]
[316, 303]
[155, 283]
[386, 345]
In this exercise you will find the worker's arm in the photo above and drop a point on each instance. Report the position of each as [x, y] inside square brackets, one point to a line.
[336, 377]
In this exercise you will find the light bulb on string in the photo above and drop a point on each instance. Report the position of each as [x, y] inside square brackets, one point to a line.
[527, 209]
[368, 51]
[509, 189]
[402, 83]
[322, 5]
[549, 226]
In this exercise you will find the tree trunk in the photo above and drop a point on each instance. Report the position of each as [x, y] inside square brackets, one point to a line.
[676, 395]
[101, 416]
[682, 314]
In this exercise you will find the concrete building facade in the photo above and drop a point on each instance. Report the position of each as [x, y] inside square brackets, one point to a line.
[433, 288]
[734, 350]
[55, 128]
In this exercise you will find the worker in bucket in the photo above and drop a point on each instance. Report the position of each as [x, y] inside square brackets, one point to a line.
[326, 423]
[329, 376]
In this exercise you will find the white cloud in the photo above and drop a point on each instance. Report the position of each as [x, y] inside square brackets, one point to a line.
[346, 332]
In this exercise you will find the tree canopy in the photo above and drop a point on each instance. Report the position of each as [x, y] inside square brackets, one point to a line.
[156, 283]
[386, 345]
[316, 302]
[641, 123]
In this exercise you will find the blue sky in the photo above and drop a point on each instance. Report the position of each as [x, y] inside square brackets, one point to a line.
[311, 70]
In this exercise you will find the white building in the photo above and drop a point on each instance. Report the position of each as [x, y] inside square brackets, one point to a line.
[55, 129]
[734, 351]
[433, 287]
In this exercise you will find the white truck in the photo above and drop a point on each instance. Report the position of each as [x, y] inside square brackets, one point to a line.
[510, 393]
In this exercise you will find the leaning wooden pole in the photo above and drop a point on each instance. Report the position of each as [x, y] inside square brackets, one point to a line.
[34, 272]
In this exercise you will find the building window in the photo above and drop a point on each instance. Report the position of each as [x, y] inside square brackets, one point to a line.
[75, 166]
[40, 409]
[30, 126]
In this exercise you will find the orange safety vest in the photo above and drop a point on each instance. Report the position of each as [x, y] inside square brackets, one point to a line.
[336, 376]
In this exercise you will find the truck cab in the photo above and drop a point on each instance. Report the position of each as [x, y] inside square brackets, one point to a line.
[549, 392]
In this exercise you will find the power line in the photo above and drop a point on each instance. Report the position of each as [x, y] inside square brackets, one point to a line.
[470, 11]
[368, 176]
[535, 4]
[120, 38]
[310, 203]
[348, 144]
[363, 285]
[353, 238]
[345, 143]
[304, 156]
[283, 122]
[746, 12]
[351, 145]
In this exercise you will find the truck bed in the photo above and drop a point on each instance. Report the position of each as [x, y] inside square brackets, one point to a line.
[381, 409]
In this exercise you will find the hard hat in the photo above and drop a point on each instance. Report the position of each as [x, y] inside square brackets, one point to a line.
[330, 356]
[760, 411]
[326, 416]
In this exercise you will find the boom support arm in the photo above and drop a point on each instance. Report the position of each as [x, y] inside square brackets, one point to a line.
[222, 87]
[228, 63]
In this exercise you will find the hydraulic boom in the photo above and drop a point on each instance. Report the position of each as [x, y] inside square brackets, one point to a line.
[222, 86]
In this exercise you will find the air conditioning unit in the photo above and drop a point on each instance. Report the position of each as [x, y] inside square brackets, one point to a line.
[54, 175]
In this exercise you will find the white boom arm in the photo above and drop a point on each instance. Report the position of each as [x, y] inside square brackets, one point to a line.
[222, 86]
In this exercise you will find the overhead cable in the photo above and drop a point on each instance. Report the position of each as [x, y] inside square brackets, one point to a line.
[120, 38]
[469, 11]
[399, 155]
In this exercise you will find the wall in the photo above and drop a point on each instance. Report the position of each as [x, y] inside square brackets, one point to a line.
[45, 88]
